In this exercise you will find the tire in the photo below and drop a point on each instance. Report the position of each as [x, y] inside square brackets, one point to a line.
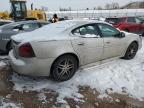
[64, 68]
[131, 51]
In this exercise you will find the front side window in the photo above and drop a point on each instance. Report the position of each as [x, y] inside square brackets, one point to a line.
[108, 31]
[87, 31]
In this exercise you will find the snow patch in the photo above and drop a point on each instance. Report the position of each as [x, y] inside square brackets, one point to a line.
[3, 57]
[2, 64]
[42, 97]
[48, 32]
[15, 61]
[4, 104]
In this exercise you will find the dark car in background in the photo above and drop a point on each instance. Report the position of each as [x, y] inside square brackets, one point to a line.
[6, 31]
[129, 24]
[3, 22]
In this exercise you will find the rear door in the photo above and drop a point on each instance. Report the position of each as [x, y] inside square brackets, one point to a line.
[87, 43]
[114, 46]
[132, 26]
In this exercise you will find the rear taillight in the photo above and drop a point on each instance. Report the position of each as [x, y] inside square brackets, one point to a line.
[26, 51]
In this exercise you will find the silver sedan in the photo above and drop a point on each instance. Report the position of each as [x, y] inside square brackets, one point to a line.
[59, 49]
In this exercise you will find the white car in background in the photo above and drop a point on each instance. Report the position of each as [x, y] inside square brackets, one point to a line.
[59, 49]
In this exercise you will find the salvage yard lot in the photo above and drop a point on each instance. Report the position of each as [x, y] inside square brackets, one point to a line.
[117, 84]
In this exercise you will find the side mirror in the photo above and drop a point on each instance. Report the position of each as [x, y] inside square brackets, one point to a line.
[122, 34]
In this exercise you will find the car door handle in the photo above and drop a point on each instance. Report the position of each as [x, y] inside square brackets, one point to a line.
[108, 42]
[80, 43]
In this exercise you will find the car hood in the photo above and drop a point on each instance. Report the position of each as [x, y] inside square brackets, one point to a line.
[56, 31]
[129, 34]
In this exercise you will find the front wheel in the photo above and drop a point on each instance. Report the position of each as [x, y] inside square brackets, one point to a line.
[64, 68]
[131, 51]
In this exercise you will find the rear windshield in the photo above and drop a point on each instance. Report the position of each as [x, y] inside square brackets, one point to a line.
[9, 25]
[3, 23]
[114, 21]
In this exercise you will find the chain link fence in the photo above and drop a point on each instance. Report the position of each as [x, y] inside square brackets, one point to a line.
[96, 13]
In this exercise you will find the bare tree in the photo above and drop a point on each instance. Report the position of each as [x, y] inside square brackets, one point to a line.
[99, 8]
[115, 5]
[108, 6]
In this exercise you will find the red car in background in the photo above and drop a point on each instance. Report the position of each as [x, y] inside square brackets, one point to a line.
[129, 24]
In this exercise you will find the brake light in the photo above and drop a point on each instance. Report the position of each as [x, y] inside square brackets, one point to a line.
[26, 51]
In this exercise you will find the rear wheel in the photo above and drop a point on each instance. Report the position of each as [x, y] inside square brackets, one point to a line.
[64, 68]
[131, 51]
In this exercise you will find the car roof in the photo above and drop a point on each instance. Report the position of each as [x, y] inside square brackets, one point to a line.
[81, 22]
[21, 22]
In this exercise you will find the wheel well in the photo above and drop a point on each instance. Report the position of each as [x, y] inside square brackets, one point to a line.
[8, 45]
[64, 55]
[136, 42]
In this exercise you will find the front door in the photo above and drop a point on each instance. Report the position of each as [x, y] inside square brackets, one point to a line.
[114, 46]
[87, 43]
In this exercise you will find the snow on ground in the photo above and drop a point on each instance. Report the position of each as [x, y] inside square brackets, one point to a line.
[4, 104]
[2, 63]
[118, 76]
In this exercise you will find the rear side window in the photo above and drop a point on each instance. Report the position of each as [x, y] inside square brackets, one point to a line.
[131, 20]
[86, 30]
[115, 21]
[112, 20]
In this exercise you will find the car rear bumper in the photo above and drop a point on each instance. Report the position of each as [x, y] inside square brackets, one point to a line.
[32, 67]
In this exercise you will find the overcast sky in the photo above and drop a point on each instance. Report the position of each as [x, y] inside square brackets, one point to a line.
[56, 4]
